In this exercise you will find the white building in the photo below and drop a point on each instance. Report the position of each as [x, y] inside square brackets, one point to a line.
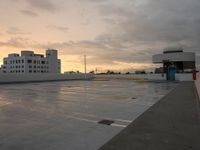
[183, 61]
[29, 62]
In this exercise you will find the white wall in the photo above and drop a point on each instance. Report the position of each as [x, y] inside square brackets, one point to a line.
[54, 62]
[197, 83]
[15, 78]
[9, 78]
[184, 56]
[184, 77]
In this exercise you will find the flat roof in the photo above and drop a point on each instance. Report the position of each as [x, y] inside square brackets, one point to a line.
[174, 57]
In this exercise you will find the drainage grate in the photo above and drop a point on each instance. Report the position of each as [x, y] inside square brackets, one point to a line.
[106, 122]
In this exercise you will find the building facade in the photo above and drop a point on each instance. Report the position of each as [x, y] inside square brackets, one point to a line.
[182, 61]
[29, 62]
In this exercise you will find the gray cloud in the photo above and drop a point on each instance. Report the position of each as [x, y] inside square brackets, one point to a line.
[29, 13]
[157, 21]
[146, 27]
[95, 1]
[16, 42]
[137, 29]
[58, 28]
[16, 31]
[47, 5]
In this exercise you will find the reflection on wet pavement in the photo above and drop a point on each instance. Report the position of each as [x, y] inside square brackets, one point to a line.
[66, 115]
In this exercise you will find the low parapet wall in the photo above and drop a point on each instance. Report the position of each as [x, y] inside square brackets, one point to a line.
[132, 76]
[197, 83]
[20, 78]
[148, 77]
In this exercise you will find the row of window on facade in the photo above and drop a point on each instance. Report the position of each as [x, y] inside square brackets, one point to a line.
[30, 71]
[30, 66]
[28, 61]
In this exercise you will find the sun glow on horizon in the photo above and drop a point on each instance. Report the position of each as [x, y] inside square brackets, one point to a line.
[76, 63]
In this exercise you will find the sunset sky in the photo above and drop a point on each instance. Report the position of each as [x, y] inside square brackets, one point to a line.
[114, 34]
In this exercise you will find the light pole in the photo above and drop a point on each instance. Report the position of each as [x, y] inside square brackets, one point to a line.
[85, 63]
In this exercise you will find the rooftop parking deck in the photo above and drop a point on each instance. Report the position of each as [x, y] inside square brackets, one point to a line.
[72, 115]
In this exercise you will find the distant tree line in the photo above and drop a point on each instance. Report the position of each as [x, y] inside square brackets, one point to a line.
[115, 72]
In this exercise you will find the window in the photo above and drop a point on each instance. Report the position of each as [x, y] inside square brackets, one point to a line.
[22, 61]
[29, 61]
[30, 66]
[30, 71]
[43, 62]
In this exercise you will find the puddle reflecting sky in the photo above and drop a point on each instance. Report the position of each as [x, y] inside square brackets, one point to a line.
[65, 115]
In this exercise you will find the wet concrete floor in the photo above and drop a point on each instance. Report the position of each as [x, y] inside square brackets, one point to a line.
[66, 115]
[171, 124]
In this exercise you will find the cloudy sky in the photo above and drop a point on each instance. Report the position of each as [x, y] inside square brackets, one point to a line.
[115, 34]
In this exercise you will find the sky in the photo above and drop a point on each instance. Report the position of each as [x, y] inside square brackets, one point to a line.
[120, 35]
